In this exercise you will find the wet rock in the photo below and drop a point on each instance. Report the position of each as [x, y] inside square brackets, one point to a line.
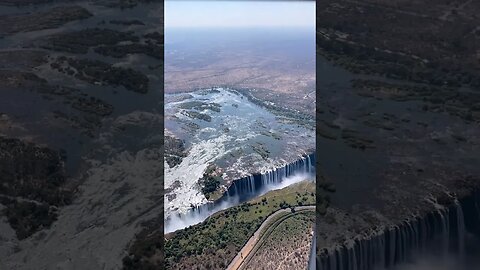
[174, 151]
[197, 115]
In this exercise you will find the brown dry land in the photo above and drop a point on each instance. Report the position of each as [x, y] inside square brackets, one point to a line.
[243, 72]
[280, 76]
[287, 245]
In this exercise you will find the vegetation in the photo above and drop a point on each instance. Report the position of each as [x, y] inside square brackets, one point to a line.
[437, 72]
[260, 149]
[46, 19]
[210, 182]
[147, 250]
[80, 41]
[213, 243]
[27, 217]
[197, 115]
[174, 151]
[324, 187]
[435, 99]
[119, 51]
[274, 135]
[32, 180]
[200, 106]
[353, 139]
[155, 37]
[32, 172]
[286, 244]
[98, 72]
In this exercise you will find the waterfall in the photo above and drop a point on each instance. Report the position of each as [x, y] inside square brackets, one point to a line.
[442, 231]
[460, 230]
[240, 191]
[313, 252]
[445, 232]
[252, 184]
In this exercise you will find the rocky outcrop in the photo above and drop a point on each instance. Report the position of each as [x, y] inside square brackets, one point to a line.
[32, 185]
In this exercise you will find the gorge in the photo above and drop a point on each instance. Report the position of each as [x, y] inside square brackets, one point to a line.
[449, 234]
[397, 124]
[245, 189]
[230, 150]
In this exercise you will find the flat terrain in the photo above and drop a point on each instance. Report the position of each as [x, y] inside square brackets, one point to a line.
[276, 65]
[284, 244]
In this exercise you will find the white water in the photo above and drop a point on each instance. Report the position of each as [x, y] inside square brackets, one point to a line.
[312, 260]
[232, 151]
[177, 222]
[191, 167]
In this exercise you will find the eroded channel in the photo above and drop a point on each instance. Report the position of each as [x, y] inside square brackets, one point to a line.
[242, 147]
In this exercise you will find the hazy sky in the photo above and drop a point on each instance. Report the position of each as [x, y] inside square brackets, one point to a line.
[239, 13]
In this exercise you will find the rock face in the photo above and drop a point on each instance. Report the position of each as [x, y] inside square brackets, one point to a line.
[243, 141]
[254, 183]
[442, 232]
[244, 189]
[397, 119]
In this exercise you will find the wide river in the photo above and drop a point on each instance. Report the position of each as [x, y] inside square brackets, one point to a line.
[222, 127]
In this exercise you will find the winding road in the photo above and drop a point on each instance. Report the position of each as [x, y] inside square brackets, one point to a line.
[257, 236]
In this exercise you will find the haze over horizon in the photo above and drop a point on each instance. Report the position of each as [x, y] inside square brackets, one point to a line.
[239, 14]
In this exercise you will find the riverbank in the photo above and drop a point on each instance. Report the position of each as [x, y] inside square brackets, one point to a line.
[216, 241]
